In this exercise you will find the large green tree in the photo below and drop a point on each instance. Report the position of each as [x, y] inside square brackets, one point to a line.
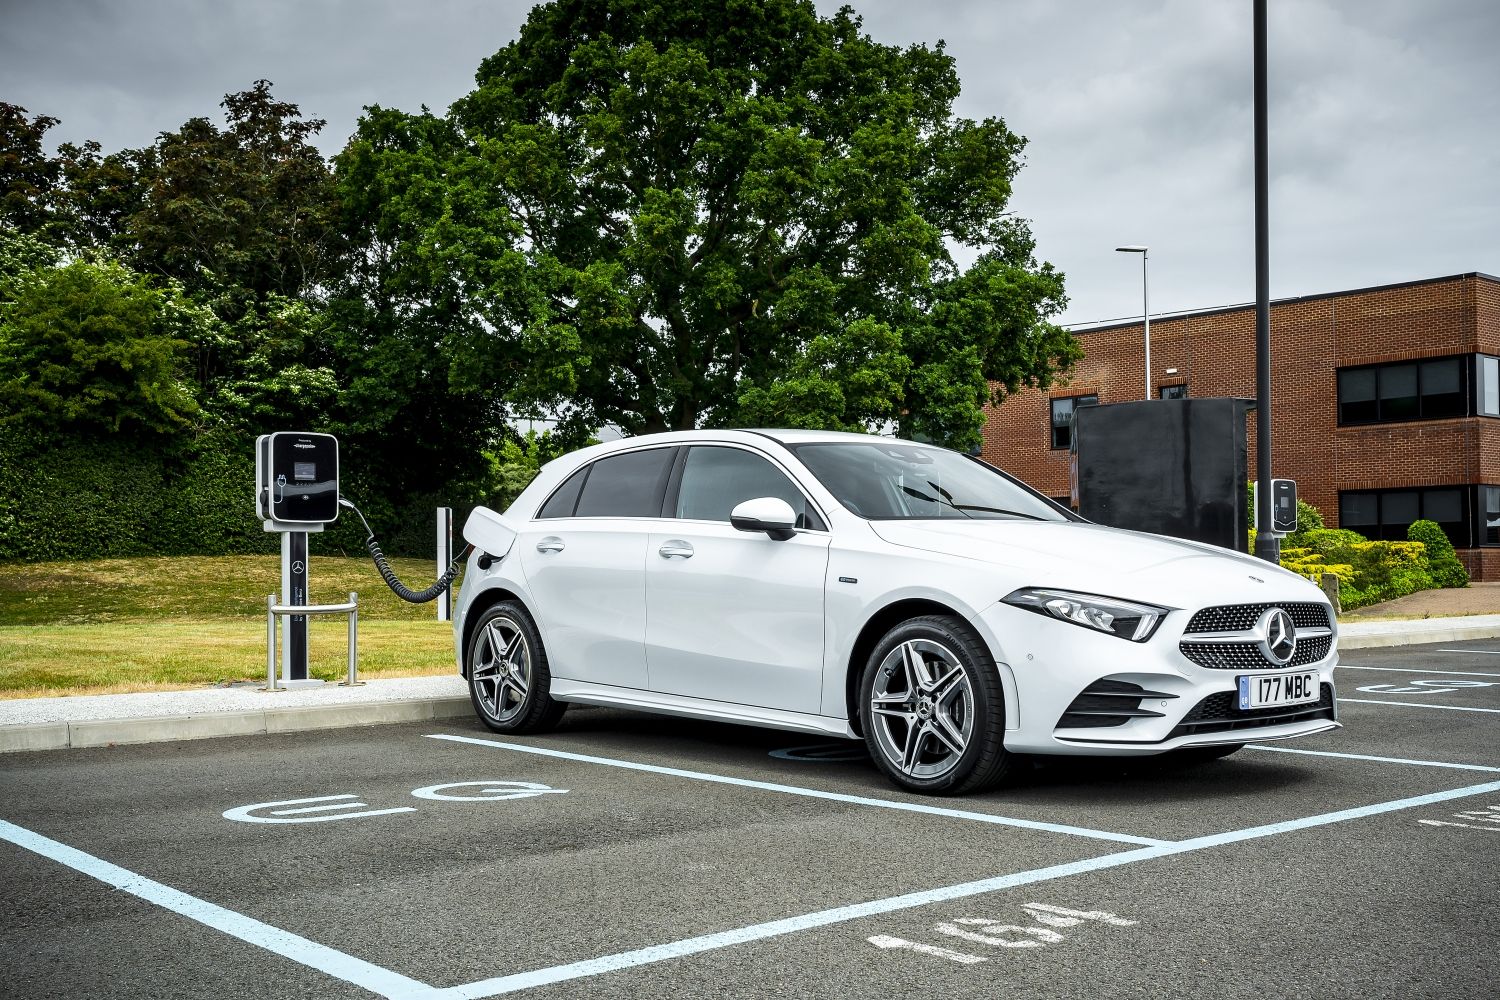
[92, 346]
[249, 207]
[28, 175]
[667, 214]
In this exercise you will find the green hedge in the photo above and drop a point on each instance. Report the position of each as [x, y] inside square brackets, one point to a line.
[1371, 572]
[68, 498]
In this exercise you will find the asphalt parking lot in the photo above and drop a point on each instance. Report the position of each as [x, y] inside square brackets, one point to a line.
[633, 856]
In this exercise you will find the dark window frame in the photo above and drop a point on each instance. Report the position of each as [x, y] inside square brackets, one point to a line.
[1161, 390]
[1481, 515]
[1052, 427]
[1466, 527]
[1467, 387]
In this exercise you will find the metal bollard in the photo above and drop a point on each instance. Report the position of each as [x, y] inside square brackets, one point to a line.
[271, 644]
[353, 680]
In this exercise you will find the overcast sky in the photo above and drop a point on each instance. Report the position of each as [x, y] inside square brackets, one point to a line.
[1384, 115]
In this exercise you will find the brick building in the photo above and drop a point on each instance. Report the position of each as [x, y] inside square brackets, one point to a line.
[1386, 403]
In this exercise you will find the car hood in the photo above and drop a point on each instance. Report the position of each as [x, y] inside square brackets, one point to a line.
[1110, 561]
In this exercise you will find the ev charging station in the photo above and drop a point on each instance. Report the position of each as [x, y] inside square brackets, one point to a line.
[1283, 506]
[296, 494]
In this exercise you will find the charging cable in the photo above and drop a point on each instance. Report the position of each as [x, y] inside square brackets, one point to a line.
[389, 575]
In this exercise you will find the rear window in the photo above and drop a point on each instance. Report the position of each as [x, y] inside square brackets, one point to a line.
[561, 503]
[628, 485]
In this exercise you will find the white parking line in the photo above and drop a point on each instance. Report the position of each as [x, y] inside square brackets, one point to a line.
[1418, 704]
[327, 960]
[1379, 760]
[814, 793]
[1484, 652]
[1407, 670]
[755, 932]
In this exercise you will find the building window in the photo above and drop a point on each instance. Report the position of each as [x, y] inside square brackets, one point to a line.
[1062, 418]
[1387, 514]
[1411, 390]
[1178, 391]
[1487, 386]
[1490, 529]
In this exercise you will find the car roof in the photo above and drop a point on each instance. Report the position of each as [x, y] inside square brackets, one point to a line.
[783, 435]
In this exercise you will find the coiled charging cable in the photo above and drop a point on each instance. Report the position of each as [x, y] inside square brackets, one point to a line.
[389, 575]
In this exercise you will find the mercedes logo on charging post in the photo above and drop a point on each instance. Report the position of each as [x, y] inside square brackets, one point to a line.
[1277, 635]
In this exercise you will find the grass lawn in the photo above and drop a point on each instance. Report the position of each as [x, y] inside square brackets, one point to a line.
[153, 624]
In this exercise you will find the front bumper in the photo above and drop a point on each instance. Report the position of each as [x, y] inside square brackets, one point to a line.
[1186, 705]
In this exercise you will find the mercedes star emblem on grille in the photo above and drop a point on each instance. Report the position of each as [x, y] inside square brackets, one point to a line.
[1277, 635]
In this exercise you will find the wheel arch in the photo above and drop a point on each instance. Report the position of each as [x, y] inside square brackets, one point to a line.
[482, 602]
[875, 627]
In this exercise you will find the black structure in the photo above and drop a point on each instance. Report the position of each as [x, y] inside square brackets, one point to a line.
[1170, 466]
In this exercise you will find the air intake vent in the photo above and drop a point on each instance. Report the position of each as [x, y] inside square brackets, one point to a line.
[1109, 703]
[1219, 713]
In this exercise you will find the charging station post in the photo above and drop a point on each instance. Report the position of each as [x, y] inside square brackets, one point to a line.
[296, 493]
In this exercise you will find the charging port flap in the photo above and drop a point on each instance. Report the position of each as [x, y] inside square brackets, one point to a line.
[489, 532]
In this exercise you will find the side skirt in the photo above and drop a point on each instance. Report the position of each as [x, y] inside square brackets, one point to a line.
[585, 693]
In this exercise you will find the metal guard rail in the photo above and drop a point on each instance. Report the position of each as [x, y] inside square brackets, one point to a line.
[274, 611]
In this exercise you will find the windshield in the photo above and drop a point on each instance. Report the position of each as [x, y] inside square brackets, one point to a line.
[883, 481]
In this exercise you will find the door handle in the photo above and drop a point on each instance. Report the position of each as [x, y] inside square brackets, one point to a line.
[676, 548]
[550, 544]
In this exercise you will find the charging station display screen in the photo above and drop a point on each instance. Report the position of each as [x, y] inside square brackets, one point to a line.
[303, 478]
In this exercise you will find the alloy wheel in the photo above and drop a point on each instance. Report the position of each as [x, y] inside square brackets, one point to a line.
[922, 708]
[502, 670]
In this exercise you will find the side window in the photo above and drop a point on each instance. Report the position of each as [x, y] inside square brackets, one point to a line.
[627, 485]
[561, 503]
[716, 480]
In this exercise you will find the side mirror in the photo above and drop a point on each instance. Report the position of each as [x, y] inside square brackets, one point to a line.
[772, 515]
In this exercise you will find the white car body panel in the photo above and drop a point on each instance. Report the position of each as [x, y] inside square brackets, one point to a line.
[740, 619]
[588, 597]
[719, 635]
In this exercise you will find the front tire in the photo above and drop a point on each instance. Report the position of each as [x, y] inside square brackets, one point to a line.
[509, 682]
[933, 709]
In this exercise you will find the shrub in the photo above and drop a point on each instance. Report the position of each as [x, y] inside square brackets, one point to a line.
[1369, 572]
[1443, 562]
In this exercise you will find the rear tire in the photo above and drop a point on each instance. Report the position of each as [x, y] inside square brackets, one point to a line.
[933, 710]
[509, 682]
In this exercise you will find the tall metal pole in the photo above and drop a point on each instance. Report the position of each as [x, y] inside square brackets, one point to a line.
[1267, 546]
[1146, 312]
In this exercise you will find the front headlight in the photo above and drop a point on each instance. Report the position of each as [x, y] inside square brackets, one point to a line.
[1125, 619]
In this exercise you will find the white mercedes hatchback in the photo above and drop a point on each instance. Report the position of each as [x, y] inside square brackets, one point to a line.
[866, 587]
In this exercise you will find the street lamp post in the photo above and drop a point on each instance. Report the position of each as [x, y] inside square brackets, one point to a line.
[1145, 305]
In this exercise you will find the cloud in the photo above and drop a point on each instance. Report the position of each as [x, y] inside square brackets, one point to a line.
[1382, 114]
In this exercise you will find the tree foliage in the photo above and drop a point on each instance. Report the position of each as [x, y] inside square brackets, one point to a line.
[664, 215]
[28, 176]
[248, 207]
[92, 345]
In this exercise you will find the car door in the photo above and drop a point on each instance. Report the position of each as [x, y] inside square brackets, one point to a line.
[584, 555]
[735, 616]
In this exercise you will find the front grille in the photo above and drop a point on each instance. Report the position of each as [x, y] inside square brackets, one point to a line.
[1108, 703]
[1247, 655]
[1220, 713]
[1241, 617]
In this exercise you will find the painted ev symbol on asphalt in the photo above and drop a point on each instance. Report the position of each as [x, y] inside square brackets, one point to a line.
[487, 791]
[336, 807]
[1426, 687]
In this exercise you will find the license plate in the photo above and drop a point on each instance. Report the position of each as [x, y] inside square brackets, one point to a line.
[1271, 690]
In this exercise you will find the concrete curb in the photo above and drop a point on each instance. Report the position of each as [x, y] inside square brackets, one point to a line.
[107, 732]
[1412, 637]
